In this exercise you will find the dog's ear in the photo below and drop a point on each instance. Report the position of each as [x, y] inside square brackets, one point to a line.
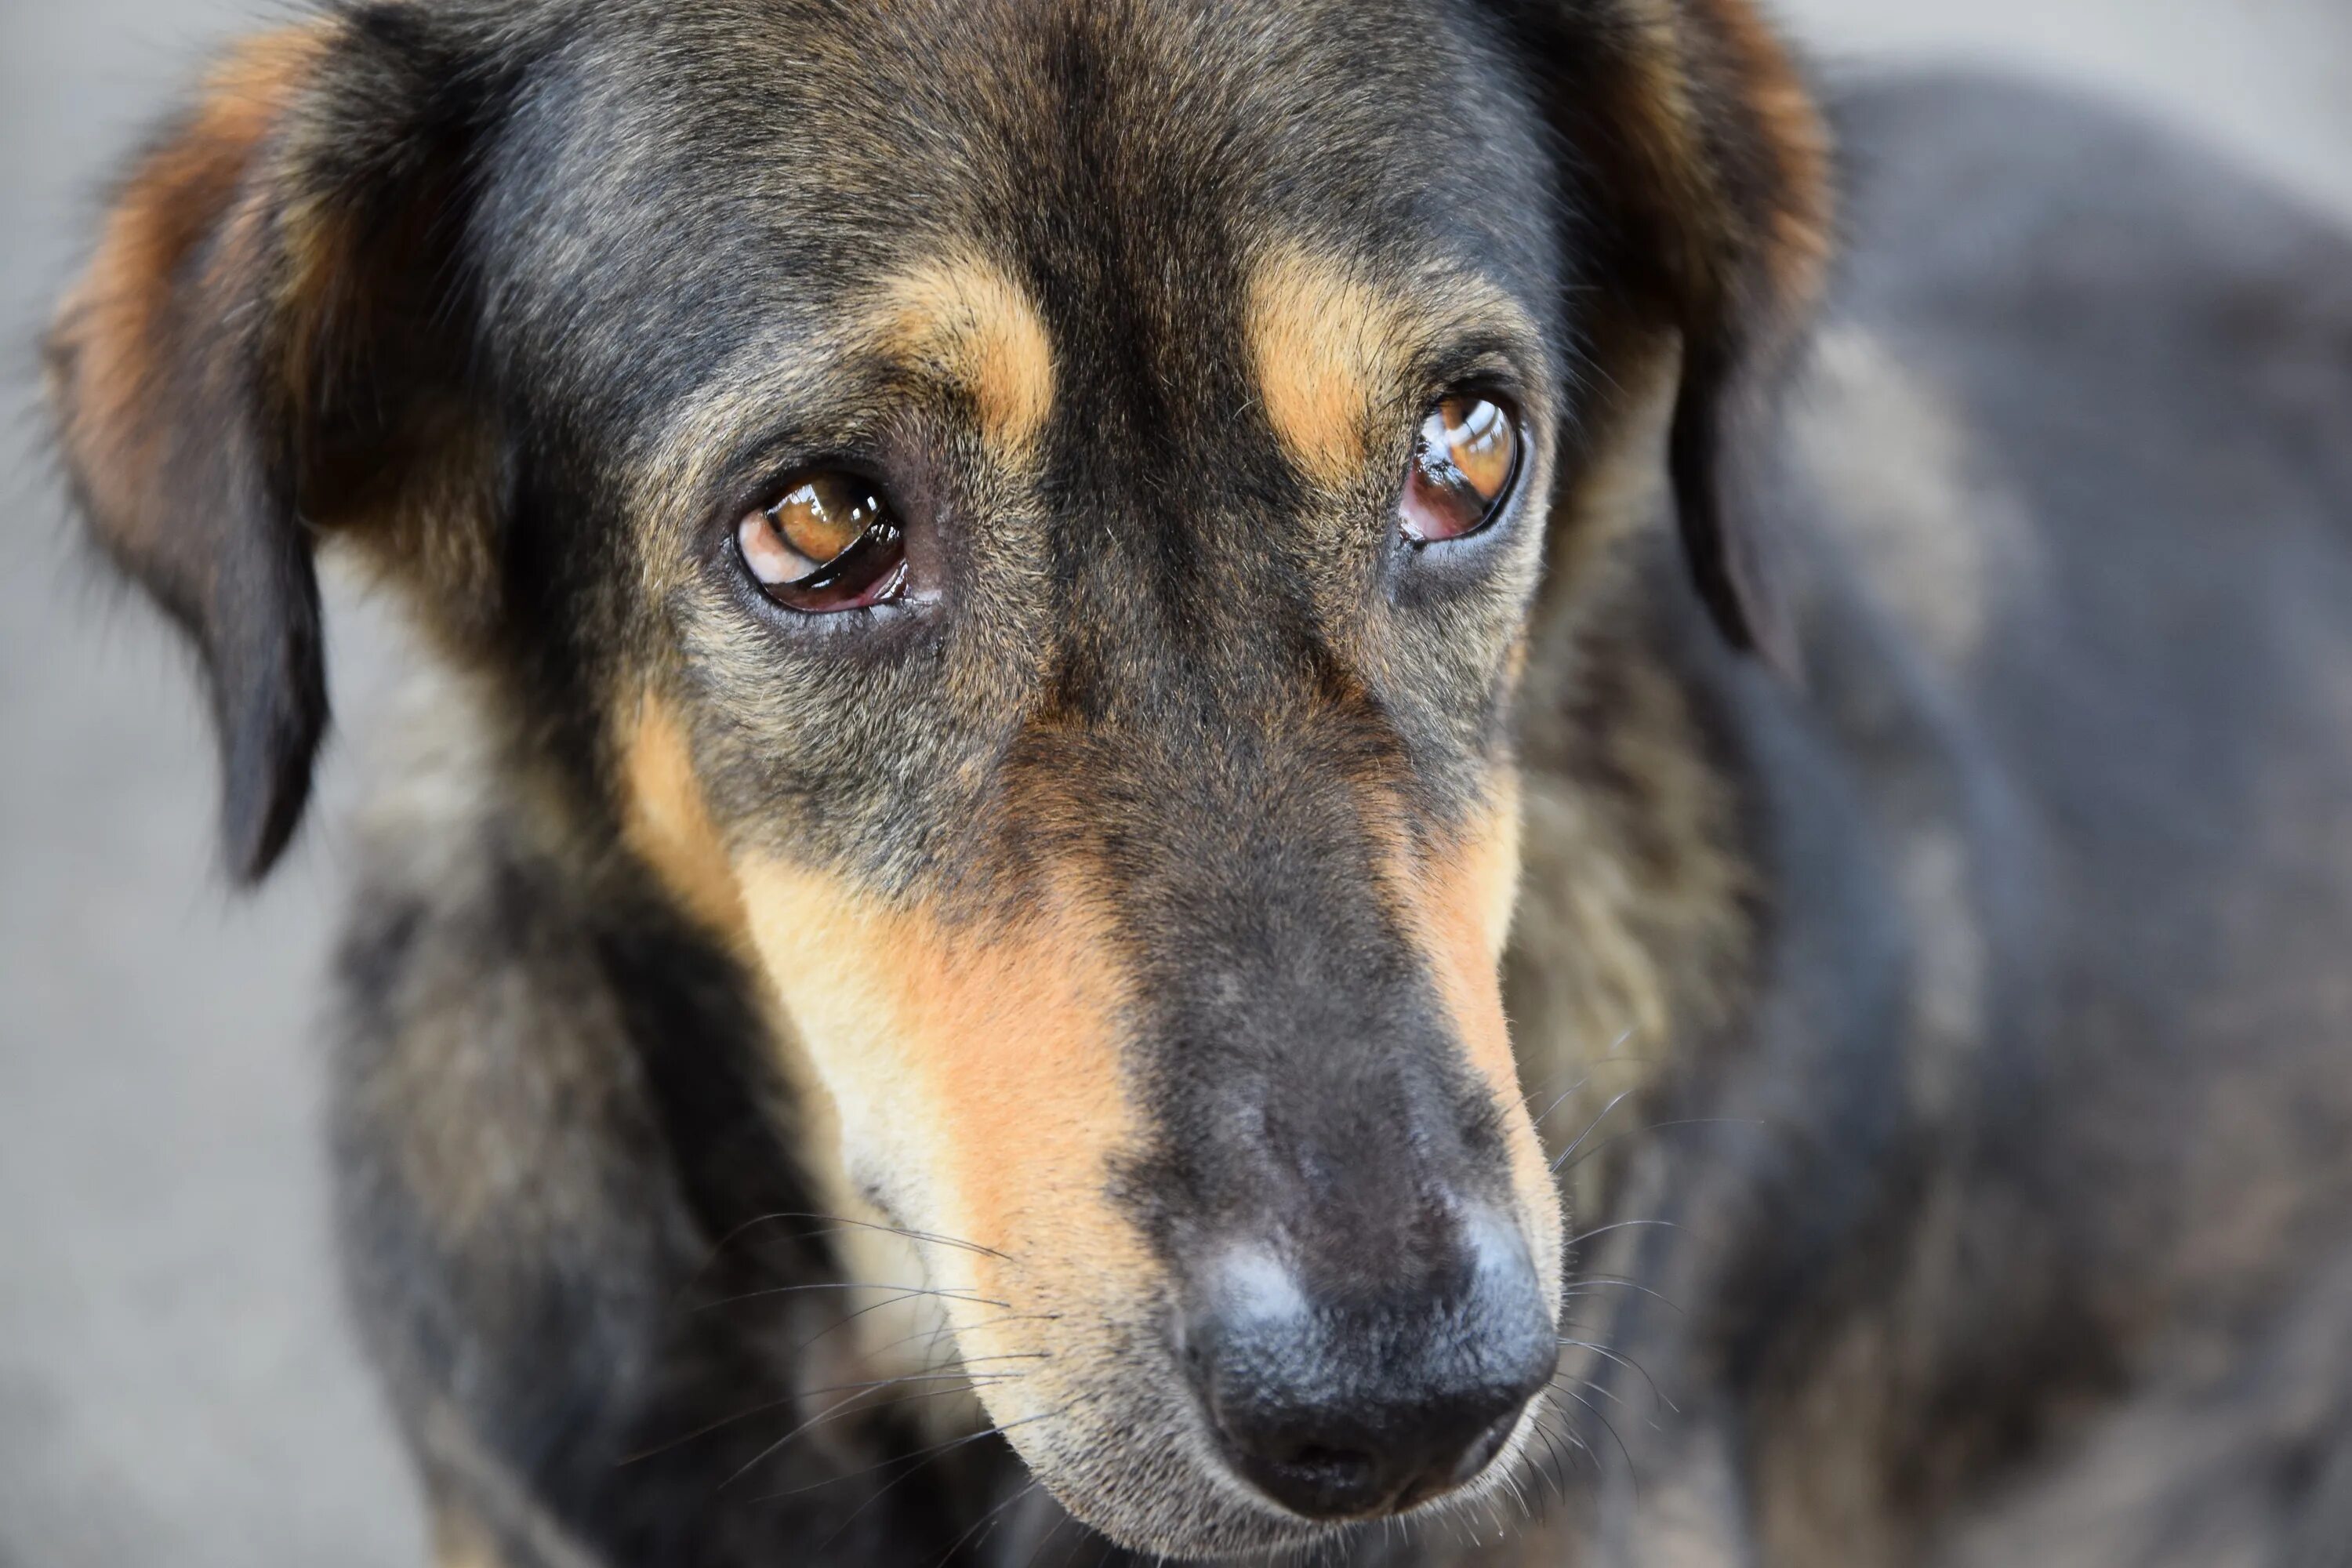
[1703, 187]
[261, 348]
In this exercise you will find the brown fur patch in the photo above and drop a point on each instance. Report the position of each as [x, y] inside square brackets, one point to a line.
[1723, 160]
[958, 322]
[665, 820]
[1330, 348]
[1325, 345]
[461, 1540]
[668, 822]
[978, 1066]
[104, 364]
[964, 320]
[1458, 899]
[1796, 141]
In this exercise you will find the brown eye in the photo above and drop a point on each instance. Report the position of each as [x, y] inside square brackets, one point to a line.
[1462, 468]
[828, 543]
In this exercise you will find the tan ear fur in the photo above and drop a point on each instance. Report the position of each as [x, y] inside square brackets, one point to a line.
[151, 371]
[259, 265]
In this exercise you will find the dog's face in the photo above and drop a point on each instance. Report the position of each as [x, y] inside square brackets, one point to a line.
[1026, 518]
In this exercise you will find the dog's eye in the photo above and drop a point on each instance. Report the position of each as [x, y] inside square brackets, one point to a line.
[828, 543]
[1462, 464]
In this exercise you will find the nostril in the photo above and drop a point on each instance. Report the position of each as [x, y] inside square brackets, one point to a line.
[1441, 1480]
[1318, 1479]
[1340, 1467]
[1332, 1473]
[1352, 1406]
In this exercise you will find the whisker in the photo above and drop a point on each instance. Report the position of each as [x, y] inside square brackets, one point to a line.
[957, 1376]
[1558, 1428]
[837, 1222]
[922, 1458]
[1511, 1482]
[908, 1293]
[1633, 1473]
[1577, 1288]
[1551, 1442]
[819, 1419]
[1623, 1096]
[1559, 1380]
[925, 1455]
[1608, 1055]
[935, 1332]
[1655, 1392]
[850, 1318]
[1615, 1224]
[986, 1521]
[845, 1222]
[1044, 1541]
[932, 1358]
[1658, 1127]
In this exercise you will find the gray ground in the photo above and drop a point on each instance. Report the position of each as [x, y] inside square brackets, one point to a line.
[177, 1383]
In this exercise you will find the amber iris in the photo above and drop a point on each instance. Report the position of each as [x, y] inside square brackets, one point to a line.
[1462, 464]
[829, 542]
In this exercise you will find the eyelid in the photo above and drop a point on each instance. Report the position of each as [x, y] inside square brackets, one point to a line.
[1480, 366]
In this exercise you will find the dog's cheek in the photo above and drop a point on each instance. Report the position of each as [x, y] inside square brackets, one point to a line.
[977, 1075]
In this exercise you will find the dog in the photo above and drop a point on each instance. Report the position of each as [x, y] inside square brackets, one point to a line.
[1214, 778]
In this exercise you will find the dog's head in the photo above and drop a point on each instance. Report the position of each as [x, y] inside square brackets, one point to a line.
[1025, 517]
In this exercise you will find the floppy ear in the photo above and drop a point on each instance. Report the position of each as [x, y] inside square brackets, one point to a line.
[1705, 175]
[259, 349]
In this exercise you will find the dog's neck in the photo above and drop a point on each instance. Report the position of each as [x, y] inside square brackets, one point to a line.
[1633, 935]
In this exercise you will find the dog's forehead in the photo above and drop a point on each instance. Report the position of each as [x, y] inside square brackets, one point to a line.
[693, 172]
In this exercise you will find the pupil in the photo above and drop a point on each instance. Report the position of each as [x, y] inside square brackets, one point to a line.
[1479, 446]
[820, 520]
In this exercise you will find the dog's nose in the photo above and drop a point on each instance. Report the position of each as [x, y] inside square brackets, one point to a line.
[1358, 1404]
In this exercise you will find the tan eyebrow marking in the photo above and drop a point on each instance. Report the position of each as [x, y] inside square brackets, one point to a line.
[963, 318]
[1330, 346]
[1324, 344]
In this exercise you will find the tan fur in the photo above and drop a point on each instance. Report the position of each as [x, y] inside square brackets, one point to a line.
[1457, 899]
[965, 320]
[460, 1541]
[667, 821]
[1330, 346]
[117, 320]
[976, 1066]
[1326, 345]
[1797, 249]
[958, 323]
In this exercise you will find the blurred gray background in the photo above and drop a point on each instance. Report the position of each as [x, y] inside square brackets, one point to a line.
[177, 1382]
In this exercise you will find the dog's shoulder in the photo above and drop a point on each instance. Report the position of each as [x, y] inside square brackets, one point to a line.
[2070, 476]
[2079, 439]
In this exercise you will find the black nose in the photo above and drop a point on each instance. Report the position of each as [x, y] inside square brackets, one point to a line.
[1352, 1403]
